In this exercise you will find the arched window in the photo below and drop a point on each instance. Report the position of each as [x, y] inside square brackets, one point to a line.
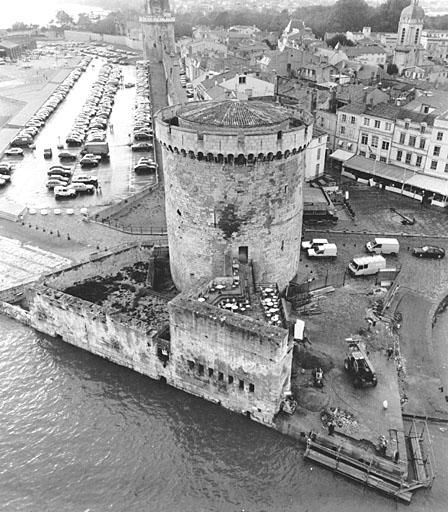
[241, 160]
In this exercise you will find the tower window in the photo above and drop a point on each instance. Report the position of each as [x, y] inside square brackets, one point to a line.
[403, 33]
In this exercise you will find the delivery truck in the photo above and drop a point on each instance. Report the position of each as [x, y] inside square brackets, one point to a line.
[367, 265]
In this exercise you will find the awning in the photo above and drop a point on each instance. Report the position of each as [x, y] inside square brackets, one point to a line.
[430, 183]
[341, 155]
[299, 327]
[380, 169]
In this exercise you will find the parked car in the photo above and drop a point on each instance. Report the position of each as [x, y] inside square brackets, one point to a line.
[141, 146]
[87, 161]
[14, 152]
[358, 364]
[52, 183]
[4, 179]
[429, 251]
[66, 155]
[5, 168]
[82, 188]
[86, 178]
[61, 192]
[314, 244]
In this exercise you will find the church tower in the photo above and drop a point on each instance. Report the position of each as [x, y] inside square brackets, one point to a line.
[158, 30]
[409, 50]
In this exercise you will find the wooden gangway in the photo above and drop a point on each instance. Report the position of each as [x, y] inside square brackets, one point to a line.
[359, 470]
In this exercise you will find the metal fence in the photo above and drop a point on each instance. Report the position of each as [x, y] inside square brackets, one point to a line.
[132, 230]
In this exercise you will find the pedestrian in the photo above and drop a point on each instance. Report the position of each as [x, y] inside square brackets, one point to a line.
[389, 352]
[111, 127]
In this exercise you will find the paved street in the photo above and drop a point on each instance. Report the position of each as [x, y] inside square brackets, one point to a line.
[116, 177]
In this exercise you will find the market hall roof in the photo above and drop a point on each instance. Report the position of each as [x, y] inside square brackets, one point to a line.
[234, 113]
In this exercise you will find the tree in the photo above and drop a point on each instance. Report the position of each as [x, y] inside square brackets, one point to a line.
[392, 69]
[350, 15]
[64, 19]
[18, 26]
[341, 39]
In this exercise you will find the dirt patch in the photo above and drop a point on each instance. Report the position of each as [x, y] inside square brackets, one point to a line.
[129, 292]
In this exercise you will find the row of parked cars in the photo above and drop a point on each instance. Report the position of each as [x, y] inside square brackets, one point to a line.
[143, 133]
[5, 173]
[91, 123]
[25, 137]
[186, 84]
[376, 248]
[64, 185]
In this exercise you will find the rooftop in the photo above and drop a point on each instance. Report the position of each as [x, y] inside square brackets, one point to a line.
[234, 113]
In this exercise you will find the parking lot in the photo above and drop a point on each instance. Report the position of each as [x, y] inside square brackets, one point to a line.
[116, 176]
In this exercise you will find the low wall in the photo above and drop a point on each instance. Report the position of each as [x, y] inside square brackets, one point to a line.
[15, 312]
[124, 204]
[100, 264]
[74, 35]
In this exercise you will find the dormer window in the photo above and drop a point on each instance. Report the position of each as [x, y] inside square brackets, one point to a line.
[242, 79]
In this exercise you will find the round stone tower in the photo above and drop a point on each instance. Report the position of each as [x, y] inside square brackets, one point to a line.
[233, 175]
[157, 29]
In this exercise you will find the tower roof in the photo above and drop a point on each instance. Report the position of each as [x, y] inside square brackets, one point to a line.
[413, 12]
[234, 113]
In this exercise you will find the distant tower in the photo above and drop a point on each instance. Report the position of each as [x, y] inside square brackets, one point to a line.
[233, 185]
[409, 50]
[158, 30]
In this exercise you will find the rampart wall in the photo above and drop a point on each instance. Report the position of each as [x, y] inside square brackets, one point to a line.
[234, 360]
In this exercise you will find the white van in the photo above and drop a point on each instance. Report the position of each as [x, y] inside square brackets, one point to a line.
[323, 251]
[367, 265]
[383, 246]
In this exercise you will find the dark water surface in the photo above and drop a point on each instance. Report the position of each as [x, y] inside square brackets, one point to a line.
[81, 434]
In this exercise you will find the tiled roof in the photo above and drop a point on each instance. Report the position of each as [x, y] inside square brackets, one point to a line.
[352, 51]
[234, 113]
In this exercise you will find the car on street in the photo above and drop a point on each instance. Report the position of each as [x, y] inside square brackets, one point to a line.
[53, 182]
[314, 243]
[87, 161]
[64, 192]
[66, 155]
[82, 188]
[429, 251]
[14, 152]
[141, 146]
[86, 178]
[5, 168]
[4, 179]
[145, 165]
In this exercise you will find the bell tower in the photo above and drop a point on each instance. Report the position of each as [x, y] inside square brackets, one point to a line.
[158, 30]
[409, 50]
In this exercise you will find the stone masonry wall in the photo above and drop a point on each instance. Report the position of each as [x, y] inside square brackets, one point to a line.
[86, 326]
[104, 264]
[213, 209]
[227, 141]
[236, 361]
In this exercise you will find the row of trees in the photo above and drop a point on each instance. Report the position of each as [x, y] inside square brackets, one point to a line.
[344, 15]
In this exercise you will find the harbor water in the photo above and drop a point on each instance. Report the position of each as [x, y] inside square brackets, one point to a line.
[81, 434]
